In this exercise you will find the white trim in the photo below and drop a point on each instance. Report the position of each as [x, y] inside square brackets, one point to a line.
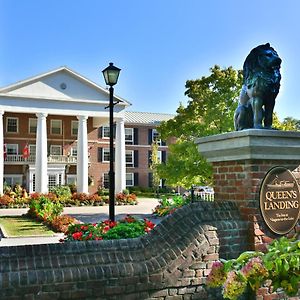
[16, 147]
[131, 164]
[132, 136]
[73, 127]
[103, 155]
[32, 119]
[81, 78]
[17, 122]
[132, 179]
[55, 146]
[52, 127]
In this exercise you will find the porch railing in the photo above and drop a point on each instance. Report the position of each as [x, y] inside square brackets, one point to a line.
[19, 159]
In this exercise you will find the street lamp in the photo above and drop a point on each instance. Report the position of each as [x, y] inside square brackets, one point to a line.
[111, 75]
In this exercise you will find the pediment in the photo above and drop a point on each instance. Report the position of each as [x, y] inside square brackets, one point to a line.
[61, 83]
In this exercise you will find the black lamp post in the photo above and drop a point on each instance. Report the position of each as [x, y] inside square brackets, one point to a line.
[111, 75]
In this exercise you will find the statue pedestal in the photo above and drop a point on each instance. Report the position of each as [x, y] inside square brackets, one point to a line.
[240, 161]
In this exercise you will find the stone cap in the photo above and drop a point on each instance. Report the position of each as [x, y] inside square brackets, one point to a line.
[251, 144]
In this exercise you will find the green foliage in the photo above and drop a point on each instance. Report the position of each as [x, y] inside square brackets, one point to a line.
[185, 166]
[125, 231]
[283, 263]
[154, 165]
[63, 192]
[129, 227]
[45, 209]
[280, 264]
[288, 123]
[210, 110]
[167, 205]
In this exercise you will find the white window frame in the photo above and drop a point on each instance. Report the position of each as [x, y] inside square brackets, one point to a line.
[105, 178]
[105, 153]
[17, 124]
[52, 151]
[16, 146]
[159, 156]
[53, 121]
[131, 162]
[129, 141]
[105, 132]
[74, 127]
[74, 151]
[15, 179]
[131, 179]
[32, 149]
[71, 179]
[30, 126]
[155, 136]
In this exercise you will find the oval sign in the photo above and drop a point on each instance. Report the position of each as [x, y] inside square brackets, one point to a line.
[279, 200]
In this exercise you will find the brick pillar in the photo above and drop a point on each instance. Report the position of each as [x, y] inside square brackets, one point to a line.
[240, 161]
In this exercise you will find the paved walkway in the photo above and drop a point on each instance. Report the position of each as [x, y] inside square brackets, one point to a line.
[86, 214]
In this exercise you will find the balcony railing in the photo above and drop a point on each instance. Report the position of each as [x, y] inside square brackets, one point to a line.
[19, 159]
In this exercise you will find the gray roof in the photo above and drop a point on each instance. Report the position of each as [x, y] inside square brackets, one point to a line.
[133, 117]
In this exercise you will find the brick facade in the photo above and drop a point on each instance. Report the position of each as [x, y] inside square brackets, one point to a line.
[140, 145]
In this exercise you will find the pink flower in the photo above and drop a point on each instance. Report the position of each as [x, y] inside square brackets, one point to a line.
[217, 276]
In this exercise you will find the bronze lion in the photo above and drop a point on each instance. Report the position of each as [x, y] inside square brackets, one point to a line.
[260, 87]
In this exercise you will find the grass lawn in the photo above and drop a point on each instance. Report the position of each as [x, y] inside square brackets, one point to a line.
[22, 226]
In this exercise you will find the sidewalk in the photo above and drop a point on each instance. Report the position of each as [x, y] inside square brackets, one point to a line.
[86, 214]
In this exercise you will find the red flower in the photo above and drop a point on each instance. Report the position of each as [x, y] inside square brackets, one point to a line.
[77, 236]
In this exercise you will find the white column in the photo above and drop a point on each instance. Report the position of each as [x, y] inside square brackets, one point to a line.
[82, 156]
[41, 176]
[120, 162]
[1, 153]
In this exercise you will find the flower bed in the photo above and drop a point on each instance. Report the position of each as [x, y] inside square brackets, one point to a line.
[63, 195]
[280, 265]
[167, 206]
[129, 227]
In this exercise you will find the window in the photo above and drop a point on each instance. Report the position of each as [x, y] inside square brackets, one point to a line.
[55, 150]
[155, 136]
[56, 126]
[105, 180]
[32, 150]
[105, 132]
[74, 151]
[74, 127]
[11, 149]
[51, 181]
[106, 156]
[159, 156]
[129, 179]
[32, 125]
[129, 135]
[12, 124]
[13, 179]
[71, 179]
[129, 158]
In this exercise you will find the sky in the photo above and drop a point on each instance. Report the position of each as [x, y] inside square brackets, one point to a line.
[158, 44]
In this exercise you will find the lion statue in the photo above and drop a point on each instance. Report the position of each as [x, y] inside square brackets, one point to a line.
[260, 87]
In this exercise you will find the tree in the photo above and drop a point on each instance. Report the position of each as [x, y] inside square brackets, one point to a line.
[288, 123]
[155, 162]
[210, 110]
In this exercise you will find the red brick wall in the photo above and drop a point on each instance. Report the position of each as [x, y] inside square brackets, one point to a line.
[240, 181]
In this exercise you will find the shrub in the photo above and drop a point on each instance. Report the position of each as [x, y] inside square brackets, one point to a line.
[61, 191]
[44, 209]
[6, 200]
[122, 199]
[62, 223]
[167, 206]
[280, 265]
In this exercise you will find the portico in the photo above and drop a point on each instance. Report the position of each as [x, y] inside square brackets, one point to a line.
[61, 93]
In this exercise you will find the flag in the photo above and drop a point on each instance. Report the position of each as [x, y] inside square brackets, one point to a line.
[26, 151]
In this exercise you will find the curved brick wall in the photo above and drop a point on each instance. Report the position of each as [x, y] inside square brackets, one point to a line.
[171, 262]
